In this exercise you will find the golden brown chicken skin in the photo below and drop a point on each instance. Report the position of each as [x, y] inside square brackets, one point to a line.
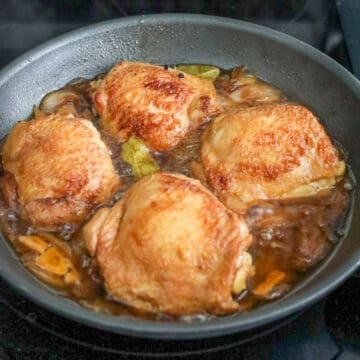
[57, 169]
[170, 246]
[269, 151]
[157, 105]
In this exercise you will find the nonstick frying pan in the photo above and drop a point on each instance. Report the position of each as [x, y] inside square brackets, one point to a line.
[304, 73]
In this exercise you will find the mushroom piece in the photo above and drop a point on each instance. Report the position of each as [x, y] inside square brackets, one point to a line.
[66, 101]
[242, 88]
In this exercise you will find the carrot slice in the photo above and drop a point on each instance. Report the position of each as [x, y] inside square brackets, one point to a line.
[273, 279]
[56, 242]
[51, 279]
[54, 261]
[33, 242]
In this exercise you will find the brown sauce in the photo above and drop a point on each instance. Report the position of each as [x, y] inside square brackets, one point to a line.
[290, 236]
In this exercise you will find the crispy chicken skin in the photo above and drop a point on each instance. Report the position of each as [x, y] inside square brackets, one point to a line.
[157, 105]
[170, 246]
[268, 151]
[57, 169]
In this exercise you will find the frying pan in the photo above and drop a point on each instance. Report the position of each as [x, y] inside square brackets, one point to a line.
[304, 73]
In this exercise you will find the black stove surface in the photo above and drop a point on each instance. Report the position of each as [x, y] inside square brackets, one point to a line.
[329, 329]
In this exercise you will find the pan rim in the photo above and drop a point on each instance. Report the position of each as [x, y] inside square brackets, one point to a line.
[159, 330]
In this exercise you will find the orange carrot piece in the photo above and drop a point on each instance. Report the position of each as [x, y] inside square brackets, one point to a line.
[273, 279]
[34, 243]
[54, 261]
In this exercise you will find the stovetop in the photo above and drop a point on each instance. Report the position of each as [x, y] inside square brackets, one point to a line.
[329, 329]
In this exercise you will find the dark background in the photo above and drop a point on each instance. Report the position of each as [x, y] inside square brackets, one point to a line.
[26, 23]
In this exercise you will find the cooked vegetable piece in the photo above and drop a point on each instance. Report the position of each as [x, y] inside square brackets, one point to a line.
[272, 280]
[202, 71]
[33, 242]
[49, 278]
[55, 241]
[138, 156]
[66, 101]
[313, 187]
[243, 274]
[53, 264]
[240, 282]
[55, 99]
[54, 261]
[72, 277]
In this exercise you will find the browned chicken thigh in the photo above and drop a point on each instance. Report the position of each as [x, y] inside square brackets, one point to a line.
[170, 246]
[158, 105]
[268, 151]
[57, 169]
